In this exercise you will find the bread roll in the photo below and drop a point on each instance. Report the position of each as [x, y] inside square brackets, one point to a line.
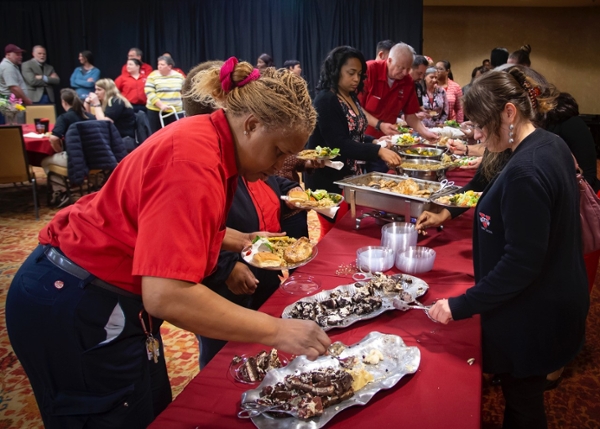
[267, 259]
[298, 196]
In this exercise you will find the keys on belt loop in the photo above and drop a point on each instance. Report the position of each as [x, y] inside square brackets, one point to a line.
[152, 344]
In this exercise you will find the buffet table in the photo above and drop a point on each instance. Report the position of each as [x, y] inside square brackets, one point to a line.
[444, 392]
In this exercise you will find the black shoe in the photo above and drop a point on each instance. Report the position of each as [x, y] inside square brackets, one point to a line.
[63, 200]
[552, 384]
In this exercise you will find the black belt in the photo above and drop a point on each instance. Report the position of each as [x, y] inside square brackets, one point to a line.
[65, 264]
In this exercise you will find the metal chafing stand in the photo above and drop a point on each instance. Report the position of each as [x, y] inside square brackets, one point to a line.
[395, 206]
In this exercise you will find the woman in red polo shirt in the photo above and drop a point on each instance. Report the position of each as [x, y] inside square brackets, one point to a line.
[132, 84]
[84, 311]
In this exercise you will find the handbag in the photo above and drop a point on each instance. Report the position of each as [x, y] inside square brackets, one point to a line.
[589, 211]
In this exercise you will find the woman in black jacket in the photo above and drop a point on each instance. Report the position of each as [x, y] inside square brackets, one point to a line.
[109, 104]
[531, 288]
[342, 123]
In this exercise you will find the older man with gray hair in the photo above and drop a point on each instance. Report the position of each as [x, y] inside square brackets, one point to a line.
[389, 90]
[40, 77]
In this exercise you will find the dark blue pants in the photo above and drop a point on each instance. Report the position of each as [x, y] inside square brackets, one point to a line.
[83, 349]
[44, 100]
[524, 407]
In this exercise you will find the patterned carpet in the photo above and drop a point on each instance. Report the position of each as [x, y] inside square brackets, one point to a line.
[574, 404]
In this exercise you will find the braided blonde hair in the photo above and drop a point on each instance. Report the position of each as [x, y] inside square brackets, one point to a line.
[279, 98]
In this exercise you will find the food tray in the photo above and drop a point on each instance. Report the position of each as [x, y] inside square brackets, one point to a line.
[417, 289]
[248, 253]
[421, 153]
[435, 172]
[399, 360]
[358, 193]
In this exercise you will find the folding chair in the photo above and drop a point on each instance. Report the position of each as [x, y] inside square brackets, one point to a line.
[14, 165]
[99, 159]
[38, 111]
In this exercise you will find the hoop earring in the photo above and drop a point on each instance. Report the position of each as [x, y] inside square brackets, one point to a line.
[511, 140]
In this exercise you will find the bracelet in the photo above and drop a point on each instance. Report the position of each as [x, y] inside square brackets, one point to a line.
[378, 126]
[95, 105]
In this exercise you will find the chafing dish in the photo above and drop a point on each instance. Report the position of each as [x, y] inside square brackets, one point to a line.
[421, 153]
[424, 169]
[358, 193]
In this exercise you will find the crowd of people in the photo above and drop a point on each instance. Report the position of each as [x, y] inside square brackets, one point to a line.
[162, 239]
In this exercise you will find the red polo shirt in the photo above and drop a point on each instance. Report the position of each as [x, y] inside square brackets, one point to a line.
[385, 102]
[145, 69]
[162, 213]
[132, 88]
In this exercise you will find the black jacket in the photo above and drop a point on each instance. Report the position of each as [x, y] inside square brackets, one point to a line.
[332, 131]
[92, 145]
[243, 217]
[531, 285]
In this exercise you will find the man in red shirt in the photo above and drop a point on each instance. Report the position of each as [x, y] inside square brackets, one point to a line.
[136, 53]
[388, 90]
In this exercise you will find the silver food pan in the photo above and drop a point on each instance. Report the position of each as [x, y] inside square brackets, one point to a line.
[358, 193]
[413, 153]
[398, 361]
[431, 170]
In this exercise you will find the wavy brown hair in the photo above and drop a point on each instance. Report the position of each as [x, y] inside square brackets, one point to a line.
[279, 98]
[489, 93]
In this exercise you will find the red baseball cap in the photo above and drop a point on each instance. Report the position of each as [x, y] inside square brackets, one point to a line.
[13, 48]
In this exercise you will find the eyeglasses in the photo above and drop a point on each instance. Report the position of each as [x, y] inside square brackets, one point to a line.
[442, 69]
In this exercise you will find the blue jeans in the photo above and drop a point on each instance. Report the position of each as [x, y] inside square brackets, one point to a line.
[44, 100]
[83, 349]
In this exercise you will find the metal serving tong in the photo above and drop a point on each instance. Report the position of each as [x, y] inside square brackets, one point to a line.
[252, 409]
[408, 302]
[446, 188]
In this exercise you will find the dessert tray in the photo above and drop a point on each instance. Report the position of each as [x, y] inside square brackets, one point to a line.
[375, 363]
[347, 304]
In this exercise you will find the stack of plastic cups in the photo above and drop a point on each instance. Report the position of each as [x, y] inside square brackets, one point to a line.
[399, 236]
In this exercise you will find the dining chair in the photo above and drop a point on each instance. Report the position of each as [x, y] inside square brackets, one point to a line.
[14, 165]
[38, 111]
[94, 149]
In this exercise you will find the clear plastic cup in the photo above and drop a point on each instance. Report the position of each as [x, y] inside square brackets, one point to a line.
[399, 236]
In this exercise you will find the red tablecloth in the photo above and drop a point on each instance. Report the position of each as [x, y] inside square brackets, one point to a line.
[37, 149]
[444, 392]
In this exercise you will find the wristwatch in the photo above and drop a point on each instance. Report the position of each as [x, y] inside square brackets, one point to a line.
[378, 126]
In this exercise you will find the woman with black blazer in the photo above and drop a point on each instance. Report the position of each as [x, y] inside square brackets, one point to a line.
[342, 123]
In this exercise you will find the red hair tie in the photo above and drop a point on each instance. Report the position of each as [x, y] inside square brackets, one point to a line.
[226, 75]
[254, 75]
